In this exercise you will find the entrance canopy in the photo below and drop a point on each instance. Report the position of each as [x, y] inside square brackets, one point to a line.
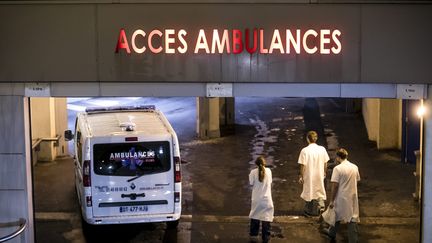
[214, 42]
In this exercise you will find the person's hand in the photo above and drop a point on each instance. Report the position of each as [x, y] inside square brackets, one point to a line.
[300, 180]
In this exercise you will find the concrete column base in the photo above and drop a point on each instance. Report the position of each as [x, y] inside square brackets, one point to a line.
[208, 125]
[214, 134]
[227, 116]
[215, 117]
[383, 122]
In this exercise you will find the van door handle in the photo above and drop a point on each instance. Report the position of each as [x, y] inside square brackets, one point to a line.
[133, 196]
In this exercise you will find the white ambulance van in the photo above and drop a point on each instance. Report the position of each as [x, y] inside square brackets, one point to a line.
[127, 166]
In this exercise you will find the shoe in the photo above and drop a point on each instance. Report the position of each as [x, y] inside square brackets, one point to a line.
[326, 231]
[253, 239]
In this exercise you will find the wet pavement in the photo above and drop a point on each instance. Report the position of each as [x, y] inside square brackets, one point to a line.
[216, 195]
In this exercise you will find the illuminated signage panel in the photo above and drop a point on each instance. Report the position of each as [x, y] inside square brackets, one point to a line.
[230, 41]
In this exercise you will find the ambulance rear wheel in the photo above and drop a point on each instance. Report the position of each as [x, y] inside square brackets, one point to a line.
[86, 228]
[173, 224]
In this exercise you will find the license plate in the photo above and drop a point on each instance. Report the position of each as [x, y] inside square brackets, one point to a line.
[133, 209]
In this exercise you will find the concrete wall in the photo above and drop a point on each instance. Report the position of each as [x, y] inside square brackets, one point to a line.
[371, 117]
[384, 43]
[15, 166]
[208, 117]
[49, 119]
[61, 124]
[227, 112]
[383, 120]
[427, 172]
[390, 124]
[43, 126]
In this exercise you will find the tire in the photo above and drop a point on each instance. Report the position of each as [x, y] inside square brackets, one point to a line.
[173, 224]
[86, 228]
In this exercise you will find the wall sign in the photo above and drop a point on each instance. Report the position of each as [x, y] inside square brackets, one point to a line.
[230, 41]
[411, 91]
[37, 90]
[219, 90]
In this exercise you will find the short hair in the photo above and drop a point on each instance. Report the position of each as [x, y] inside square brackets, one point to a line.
[312, 136]
[342, 153]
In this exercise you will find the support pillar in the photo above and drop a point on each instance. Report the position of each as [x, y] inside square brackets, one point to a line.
[61, 125]
[383, 121]
[208, 125]
[389, 124]
[15, 167]
[227, 115]
[427, 171]
[49, 119]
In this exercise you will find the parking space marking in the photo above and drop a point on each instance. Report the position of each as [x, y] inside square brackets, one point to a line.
[288, 219]
[55, 216]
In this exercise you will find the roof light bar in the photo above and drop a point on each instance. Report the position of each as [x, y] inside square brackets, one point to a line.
[120, 108]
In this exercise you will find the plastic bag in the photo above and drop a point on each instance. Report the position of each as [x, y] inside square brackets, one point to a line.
[329, 216]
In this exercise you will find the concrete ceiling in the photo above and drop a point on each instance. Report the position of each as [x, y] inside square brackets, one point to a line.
[219, 1]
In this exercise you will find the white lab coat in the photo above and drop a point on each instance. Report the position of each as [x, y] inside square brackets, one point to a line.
[262, 203]
[346, 205]
[313, 157]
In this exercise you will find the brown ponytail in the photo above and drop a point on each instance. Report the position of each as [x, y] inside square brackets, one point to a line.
[260, 162]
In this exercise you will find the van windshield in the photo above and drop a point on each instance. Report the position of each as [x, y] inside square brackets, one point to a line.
[131, 159]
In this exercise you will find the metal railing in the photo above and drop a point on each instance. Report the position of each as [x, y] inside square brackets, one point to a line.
[22, 226]
[37, 142]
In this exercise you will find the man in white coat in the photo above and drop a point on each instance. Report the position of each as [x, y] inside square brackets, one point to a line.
[344, 196]
[313, 167]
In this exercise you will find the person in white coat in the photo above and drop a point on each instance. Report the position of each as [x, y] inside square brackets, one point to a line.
[313, 167]
[262, 209]
[344, 195]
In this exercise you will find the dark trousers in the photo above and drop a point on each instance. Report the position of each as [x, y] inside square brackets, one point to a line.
[352, 231]
[314, 207]
[254, 229]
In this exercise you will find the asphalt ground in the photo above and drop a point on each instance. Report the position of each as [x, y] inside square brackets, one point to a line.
[216, 195]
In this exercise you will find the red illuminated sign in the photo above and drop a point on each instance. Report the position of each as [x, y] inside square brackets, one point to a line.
[235, 41]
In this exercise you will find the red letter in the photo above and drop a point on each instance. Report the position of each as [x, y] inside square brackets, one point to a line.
[220, 44]
[169, 40]
[122, 42]
[291, 41]
[335, 35]
[237, 41]
[255, 41]
[134, 47]
[276, 42]
[150, 39]
[201, 42]
[324, 40]
[305, 37]
[181, 36]
[262, 49]
[150, 44]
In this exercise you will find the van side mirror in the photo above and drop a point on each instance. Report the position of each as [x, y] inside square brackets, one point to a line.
[68, 135]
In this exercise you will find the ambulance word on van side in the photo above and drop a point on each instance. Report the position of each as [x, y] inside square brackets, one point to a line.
[127, 166]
